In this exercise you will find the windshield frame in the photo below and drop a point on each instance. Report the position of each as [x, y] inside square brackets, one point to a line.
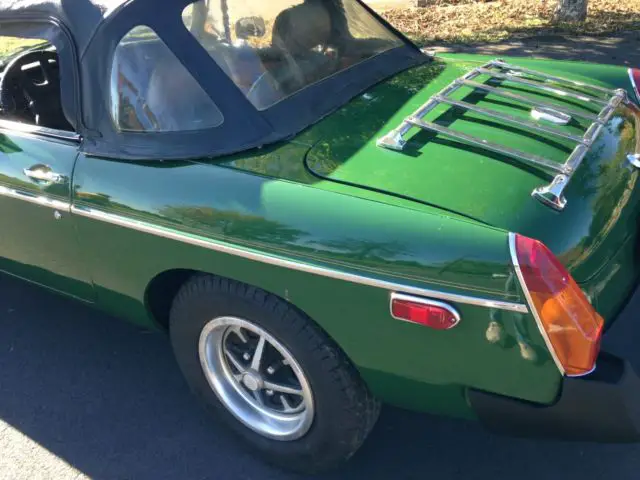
[245, 127]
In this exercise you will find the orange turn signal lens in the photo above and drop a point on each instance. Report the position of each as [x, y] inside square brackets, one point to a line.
[571, 326]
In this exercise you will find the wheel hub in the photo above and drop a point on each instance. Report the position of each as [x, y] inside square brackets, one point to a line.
[253, 381]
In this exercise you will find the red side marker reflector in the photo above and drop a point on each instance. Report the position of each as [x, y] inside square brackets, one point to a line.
[430, 313]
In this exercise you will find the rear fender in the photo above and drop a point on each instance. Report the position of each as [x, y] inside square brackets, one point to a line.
[335, 257]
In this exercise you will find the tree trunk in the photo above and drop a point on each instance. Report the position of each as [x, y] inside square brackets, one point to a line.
[571, 11]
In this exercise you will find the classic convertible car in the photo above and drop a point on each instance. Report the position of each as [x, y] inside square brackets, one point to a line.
[324, 217]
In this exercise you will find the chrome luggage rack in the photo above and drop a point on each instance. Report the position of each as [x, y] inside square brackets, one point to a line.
[547, 114]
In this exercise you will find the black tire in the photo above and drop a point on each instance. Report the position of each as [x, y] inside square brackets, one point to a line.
[344, 409]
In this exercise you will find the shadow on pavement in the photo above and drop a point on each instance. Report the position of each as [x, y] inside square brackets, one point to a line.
[108, 399]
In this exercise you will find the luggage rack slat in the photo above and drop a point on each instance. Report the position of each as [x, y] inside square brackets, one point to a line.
[509, 118]
[530, 101]
[546, 88]
[564, 81]
[551, 195]
[528, 158]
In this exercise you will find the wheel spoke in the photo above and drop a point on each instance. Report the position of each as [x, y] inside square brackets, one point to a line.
[256, 378]
[285, 404]
[239, 334]
[257, 356]
[234, 361]
[258, 397]
[276, 387]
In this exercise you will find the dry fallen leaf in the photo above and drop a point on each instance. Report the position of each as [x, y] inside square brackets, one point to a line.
[480, 21]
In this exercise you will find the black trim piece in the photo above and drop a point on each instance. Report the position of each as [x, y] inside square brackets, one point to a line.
[601, 407]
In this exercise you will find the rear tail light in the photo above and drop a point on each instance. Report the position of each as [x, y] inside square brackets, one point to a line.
[634, 75]
[432, 314]
[569, 324]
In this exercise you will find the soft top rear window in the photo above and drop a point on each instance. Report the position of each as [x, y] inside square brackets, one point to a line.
[271, 50]
[152, 91]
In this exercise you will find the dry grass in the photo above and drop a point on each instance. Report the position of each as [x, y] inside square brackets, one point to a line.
[482, 21]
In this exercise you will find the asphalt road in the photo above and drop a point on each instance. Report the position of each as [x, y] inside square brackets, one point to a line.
[85, 395]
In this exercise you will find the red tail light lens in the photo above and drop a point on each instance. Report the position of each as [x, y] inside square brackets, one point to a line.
[634, 75]
[432, 314]
[570, 325]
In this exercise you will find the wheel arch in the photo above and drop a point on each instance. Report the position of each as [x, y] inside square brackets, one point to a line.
[161, 291]
[163, 288]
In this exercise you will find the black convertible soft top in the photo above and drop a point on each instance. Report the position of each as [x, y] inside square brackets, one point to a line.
[86, 33]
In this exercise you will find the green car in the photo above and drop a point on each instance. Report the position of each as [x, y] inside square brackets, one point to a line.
[324, 217]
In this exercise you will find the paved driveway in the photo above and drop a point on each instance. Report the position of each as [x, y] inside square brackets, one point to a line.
[82, 394]
[616, 49]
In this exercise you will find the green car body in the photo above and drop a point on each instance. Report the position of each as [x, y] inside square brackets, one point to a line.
[250, 213]
[333, 224]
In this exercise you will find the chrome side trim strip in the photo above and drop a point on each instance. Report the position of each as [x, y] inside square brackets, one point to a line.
[422, 301]
[25, 128]
[291, 264]
[527, 294]
[35, 199]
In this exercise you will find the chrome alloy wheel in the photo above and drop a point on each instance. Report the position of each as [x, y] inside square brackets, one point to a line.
[256, 378]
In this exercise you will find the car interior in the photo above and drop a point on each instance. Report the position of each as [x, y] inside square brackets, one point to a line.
[283, 65]
[30, 90]
[268, 60]
[307, 42]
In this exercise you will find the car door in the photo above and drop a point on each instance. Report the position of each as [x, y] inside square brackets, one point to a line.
[37, 238]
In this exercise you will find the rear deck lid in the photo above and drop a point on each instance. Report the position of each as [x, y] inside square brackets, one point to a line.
[479, 141]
